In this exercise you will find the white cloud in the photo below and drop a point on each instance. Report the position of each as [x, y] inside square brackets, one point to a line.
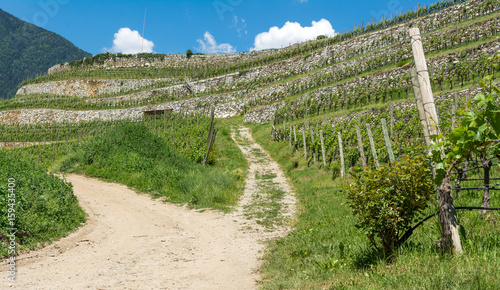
[129, 41]
[302, 1]
[209, 45]
[291, 33]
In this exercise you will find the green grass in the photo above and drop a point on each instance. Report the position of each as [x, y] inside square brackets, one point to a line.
[327, 251]
[132, 155]
[45, 206]
[266, 211]
[230, 158]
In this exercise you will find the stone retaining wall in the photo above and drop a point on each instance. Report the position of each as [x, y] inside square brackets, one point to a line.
[225, 104]
[88, 88]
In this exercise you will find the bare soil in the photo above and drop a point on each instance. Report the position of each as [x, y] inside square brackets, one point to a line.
[131, 241]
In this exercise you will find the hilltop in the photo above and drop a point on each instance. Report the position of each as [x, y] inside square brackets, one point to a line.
[27, 51]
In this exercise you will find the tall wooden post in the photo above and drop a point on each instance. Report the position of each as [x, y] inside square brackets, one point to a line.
[323, 151]
[387, 141]
[420, 106]
[211, 137]
[305, 143]
[313, 153]
[424, 81]
[450, 239]
[372, 145]
[341, 149]
[360, 145]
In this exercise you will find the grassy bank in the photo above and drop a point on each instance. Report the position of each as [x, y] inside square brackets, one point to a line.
[45, 207]
[132, 155]
[327, 251]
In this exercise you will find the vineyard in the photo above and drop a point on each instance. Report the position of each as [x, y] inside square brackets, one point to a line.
[314, 66]
[337, 113]
[47, 142]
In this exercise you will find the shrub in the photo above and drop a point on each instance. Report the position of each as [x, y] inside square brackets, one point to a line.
[45, 206]
[389, 200]
[189, 53]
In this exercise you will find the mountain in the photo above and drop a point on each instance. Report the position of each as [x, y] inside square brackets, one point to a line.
[27, 50]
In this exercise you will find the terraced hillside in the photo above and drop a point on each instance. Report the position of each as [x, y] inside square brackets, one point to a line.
[302, 103]
[354, 69]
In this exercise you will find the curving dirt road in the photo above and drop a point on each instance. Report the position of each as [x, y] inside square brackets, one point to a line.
[133, 242]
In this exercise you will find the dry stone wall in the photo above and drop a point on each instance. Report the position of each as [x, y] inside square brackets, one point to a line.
[88, 88]
[225, 106]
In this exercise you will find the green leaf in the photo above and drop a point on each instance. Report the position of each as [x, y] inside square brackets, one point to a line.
[493, 117]
[479, 97]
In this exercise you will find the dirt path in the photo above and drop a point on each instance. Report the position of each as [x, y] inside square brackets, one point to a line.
[133, 242]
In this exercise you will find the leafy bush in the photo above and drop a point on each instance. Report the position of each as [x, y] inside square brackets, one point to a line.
[45, 206]
[389, 200]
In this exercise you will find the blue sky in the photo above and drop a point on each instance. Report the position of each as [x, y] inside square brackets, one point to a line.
[209, 26]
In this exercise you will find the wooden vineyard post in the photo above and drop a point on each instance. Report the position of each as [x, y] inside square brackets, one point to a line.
[305, 143]
[420, 106]
[323, 151]
[341, 149]
[486, 164]
[290, 135]
[211, 136]
[387, 140]
[210, 145]
[295, 134]
[313, 153]
[360, 145]
[372, 145]
[424, 81]
[450, 239]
